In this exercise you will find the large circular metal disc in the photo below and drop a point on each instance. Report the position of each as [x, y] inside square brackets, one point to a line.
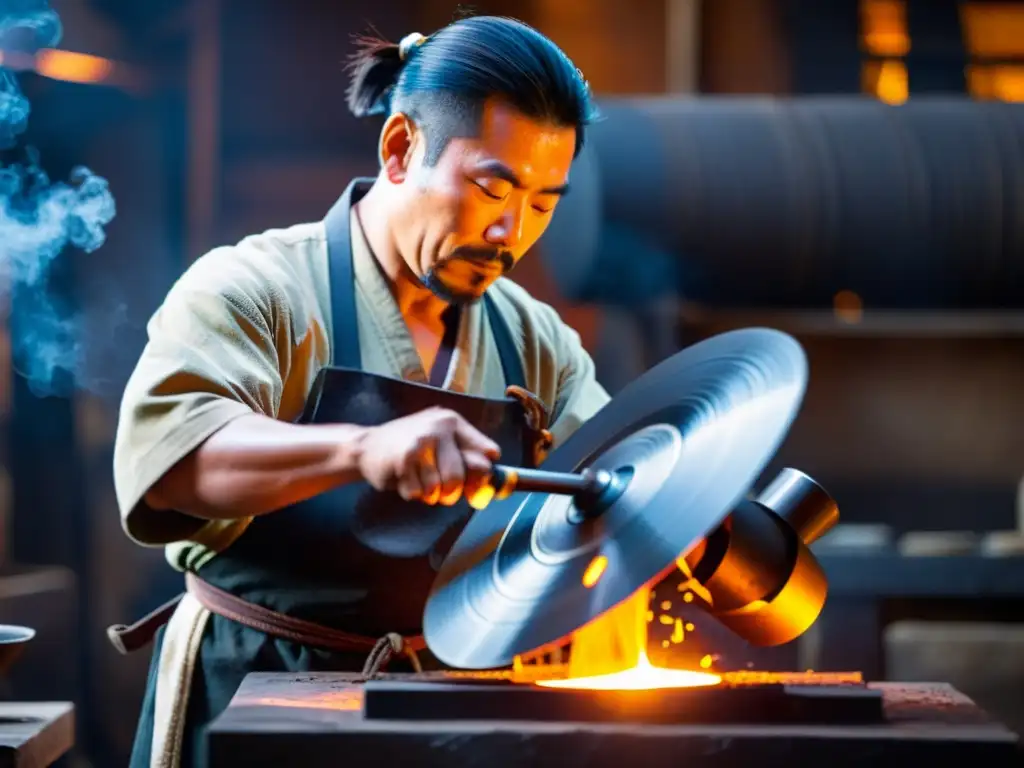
[694, 433]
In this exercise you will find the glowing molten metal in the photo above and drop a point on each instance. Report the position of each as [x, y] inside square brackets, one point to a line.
[642, 677]
[610, 653]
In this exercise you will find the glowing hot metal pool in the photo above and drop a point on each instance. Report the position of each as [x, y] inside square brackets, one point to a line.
[643, 677]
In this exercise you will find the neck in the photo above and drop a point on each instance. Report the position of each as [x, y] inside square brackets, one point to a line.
[380, 228]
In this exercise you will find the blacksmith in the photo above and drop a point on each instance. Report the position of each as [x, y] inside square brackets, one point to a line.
[314, 404]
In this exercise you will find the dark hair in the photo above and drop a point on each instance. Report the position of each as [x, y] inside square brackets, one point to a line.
[443, 82]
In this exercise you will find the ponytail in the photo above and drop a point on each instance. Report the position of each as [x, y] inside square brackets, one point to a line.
[374, 69]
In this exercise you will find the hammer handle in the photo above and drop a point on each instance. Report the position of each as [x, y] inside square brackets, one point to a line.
[511, 479]
[506, 480]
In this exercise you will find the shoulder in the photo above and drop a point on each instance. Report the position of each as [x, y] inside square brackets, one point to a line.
[266, 261]
[279, 270]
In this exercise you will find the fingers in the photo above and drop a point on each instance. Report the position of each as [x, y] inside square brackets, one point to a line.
[480, 497]
[478, 465]
[471, 439]
[443, 459]
[446, 474]
[408, 486]
[478, 489]
[415, 471]
[452, 471]
[430, 481]
[430, 477]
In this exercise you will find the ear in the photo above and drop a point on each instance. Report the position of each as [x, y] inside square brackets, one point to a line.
[397, 140]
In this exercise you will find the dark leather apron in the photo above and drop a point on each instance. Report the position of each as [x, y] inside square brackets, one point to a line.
[352, 559]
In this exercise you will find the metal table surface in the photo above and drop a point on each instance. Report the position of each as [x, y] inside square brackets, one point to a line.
[316, 720]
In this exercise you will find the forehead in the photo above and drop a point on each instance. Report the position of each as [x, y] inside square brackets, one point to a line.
[539, 153]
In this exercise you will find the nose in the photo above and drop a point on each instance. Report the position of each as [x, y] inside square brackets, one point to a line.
[507, 231]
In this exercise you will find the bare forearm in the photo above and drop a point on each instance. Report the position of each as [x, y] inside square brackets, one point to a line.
[256, 465]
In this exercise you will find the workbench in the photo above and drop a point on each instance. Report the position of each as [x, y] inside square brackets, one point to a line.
[316, 720]
[35, 734]
[848, 634]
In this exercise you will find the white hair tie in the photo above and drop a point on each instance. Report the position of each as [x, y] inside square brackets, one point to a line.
[409, 42]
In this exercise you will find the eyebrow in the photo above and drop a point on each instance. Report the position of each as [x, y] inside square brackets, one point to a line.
[501, 171]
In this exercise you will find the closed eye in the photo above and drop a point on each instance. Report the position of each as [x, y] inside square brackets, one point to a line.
[545, 203]
[488, 192]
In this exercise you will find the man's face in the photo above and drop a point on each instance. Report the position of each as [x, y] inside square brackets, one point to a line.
[470, 218]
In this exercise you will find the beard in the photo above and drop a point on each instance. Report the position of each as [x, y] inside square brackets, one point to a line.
[454, 279]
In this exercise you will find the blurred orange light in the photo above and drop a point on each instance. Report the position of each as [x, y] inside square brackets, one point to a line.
[72, 67]
[594, 571]
[884, 27]
[1000, 82]
[886, 80]
[848, 306]
[993, 30]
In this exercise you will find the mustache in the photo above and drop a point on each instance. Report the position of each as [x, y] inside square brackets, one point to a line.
[481, 255]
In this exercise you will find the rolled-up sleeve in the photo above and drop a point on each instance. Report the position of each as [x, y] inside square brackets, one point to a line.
[211, 357]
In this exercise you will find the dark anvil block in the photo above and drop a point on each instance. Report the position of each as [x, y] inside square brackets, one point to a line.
[506, 700]
[318, 720]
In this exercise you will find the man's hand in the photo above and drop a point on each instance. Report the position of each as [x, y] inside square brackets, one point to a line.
[434, 456]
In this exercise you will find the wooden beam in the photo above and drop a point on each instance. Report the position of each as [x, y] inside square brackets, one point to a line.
[204, 156]
[682, 45]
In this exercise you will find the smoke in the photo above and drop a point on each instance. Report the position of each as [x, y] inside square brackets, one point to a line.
[40, 218]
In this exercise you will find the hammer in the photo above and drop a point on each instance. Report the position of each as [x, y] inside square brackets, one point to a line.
[592, 489]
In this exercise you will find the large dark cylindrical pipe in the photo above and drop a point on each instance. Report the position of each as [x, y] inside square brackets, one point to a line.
[752, 201]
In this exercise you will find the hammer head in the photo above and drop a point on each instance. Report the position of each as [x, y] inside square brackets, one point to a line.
[755, 572]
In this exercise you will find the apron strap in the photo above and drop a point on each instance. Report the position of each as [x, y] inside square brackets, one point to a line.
[344, 320]
[127, 638]
[308, 633]
[539, 440]
[508, 352]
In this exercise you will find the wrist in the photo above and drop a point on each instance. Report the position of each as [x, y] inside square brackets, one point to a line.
[349, 442]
